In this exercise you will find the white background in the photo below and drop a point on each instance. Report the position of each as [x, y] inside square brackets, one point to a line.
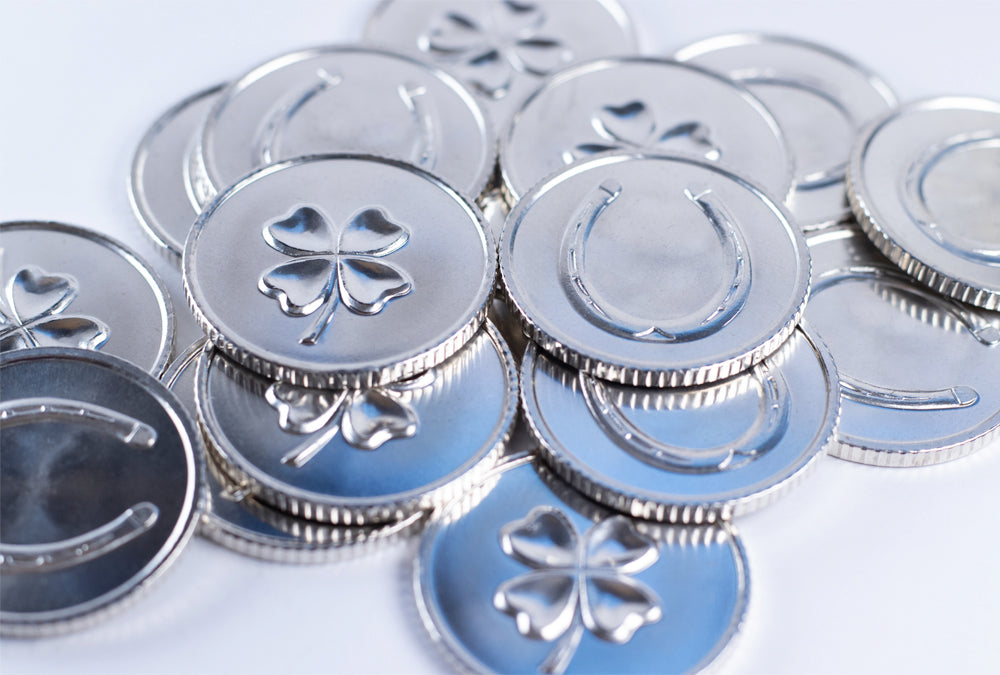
[859, 570]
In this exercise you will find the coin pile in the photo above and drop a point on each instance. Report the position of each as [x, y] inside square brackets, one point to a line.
[695, 317]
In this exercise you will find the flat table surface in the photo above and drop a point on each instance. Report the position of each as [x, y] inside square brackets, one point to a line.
[858, 570]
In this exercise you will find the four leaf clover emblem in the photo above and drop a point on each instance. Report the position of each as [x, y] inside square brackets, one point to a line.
[576, 583]
[496, 44]
[31, 313]
[334, 265]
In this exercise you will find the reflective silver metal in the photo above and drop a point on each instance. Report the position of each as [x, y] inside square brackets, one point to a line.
[159, 186]
[643, 104]
[821, 99]
[924, 183]
[654, 270]
[366, 456]
[235, 519]
[919, 372]
[503, 49]
[100, 475]
[693, 454]
[64, 286]
[345, 99]
[536, 578]
[340, 270]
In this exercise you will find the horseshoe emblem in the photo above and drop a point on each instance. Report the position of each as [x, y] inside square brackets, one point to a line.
[765, 432]
[131, 523]
[714, 315]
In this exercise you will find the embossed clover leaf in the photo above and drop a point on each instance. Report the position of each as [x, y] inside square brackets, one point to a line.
[501, 43]
[367, 418]
[31, 313]
[576, 583]
[334, 265]
[631, 126]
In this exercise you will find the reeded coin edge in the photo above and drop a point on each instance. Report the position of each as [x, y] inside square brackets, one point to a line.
[358, 511]
[108, 605]
[706, 509]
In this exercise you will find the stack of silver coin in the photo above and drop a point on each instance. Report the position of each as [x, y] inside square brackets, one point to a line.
[711, 270]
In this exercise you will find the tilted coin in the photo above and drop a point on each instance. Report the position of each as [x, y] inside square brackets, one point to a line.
[362, 456]
[643, 104]
[101, 486]
[654, 270]
[345, 99]
[919, 372]
[924, 182]
[821, 99]
[159, 186]
[340, 270]
[503, 49]
[536, 578]
[64, 286]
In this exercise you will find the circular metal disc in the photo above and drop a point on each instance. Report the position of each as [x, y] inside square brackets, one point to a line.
[345, 99]
[64, 286]
[235, 519]
[821, 99]
[100, 476]
[502, 51]
[340, 270]
[535, 578]
[924, 183]
[654, 270]
[920, 373]
[693, 454]
[359, 457]
[641, 104]
[158, 185]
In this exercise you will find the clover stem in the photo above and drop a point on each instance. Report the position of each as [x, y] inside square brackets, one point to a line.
[558, 659]
[301, 454]
[325, 315]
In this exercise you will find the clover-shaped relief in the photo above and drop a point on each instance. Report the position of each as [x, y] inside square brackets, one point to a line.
[334, 265]
[577, 583]
[32, 309]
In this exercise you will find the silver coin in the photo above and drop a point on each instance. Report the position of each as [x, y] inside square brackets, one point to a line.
[503, 50]
[340, 270]
[641, 104]
[363, 456]
[64, 286]
[693, 454]
[234, 519]
[920, 373]
[535, 578]
[345, 99]
[100, 487]
[924, 183]
[821, 99]
[159, 189]
[654, 270]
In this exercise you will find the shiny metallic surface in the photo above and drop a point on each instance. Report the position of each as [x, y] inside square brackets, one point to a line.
[345, 99]
[64, 286]
[693, 454]
[821, 100]
[340, 270]
[100, 487]
[158, 186]
[654, 270]
[361, 457]
[536, 578]
[920, 373]
[500, 49]
[643, 104]
[924, 183]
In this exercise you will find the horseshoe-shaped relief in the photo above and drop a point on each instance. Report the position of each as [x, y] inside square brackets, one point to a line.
[949, 398]
[725, 304]
[767, 429]
[132, 522]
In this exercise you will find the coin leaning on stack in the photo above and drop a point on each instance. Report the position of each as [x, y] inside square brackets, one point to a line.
[660, 254]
